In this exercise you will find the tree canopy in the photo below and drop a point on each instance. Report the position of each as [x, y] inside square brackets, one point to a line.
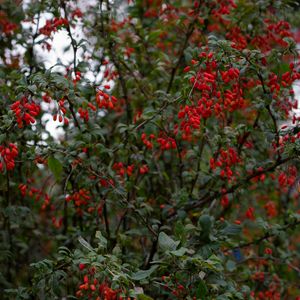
[175, 174]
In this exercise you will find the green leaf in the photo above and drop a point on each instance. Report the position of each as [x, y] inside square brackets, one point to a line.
[180, 252]
[32, 88]
[230, 265]
[167, 243]
[2, 137]
[56, 167]
[85, 244]
[222, 297]
[232, 229]
[214, 263]
[205, 223]
[102, 240]
[143, 274]
[144, 297]
[201, 290]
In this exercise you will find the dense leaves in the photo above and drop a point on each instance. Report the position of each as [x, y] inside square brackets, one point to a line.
[173, 171]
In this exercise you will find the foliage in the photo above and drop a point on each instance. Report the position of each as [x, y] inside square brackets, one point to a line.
[176, 176]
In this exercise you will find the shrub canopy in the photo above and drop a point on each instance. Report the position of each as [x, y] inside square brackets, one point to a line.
[175, 172]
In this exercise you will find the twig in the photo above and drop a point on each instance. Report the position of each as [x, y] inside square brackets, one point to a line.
[207, 198]
[268, 235]
[181, 53]
[163, 107]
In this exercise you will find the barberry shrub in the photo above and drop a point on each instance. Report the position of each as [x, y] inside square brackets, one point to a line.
[175, 175]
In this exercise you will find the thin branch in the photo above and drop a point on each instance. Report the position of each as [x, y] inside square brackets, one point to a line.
[74, 47]
[31, 49]
[189, 33]
[73, 41]
[268, 235]
[207, 198]
[163, 107]
[199, 162]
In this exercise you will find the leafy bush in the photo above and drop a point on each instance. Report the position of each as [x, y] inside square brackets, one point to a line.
[175, 175]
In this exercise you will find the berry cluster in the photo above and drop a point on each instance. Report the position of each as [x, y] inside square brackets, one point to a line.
[106, 182]
[231, 74]
[83, 114]
[77, 13]
[77, 77]
[271, 209]
[46, 98]
[92, 287]
[178, 290]
[6, 26]
[62, 111]
[122, 170]
[212, 99]
[36, 194]
[25, 111]
[57, 221]
[82, 202]
[104, 100]
[166, 142]
[250, 214]
[103, 290]
[272, 284]
[227, 159]
[144, 169]
[7, 157]
[238, 40]
[286, 178]
[146, 141]
[53, 26]
[80, 198]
